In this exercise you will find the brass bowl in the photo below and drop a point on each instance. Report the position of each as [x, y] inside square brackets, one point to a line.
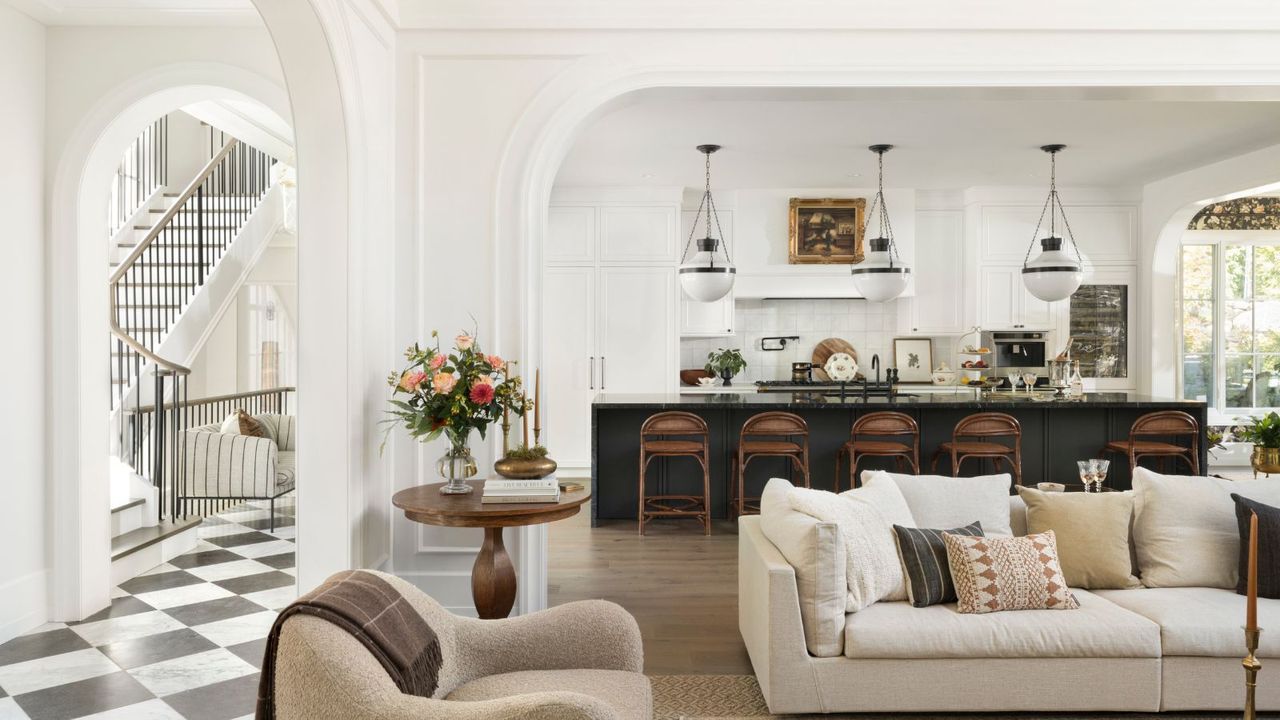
[1265, 460]
[517, 469]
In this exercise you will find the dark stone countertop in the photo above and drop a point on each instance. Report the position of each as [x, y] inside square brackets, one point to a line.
[988, 401]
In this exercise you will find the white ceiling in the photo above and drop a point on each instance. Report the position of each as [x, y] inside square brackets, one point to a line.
[944, 138]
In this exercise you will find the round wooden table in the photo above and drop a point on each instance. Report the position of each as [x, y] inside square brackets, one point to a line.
[493, 577]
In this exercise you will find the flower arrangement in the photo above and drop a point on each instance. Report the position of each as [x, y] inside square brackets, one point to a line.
[452, 394]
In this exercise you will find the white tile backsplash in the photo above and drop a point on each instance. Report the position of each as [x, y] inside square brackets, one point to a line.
[869, 327]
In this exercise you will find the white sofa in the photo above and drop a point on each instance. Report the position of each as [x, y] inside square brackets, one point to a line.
[216, 466]
[1124, 650]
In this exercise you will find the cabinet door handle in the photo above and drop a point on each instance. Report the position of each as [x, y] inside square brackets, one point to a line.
[602, 372]
[591, 374]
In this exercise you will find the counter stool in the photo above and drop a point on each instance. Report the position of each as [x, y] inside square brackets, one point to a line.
[767, 434]
[967, 442]
[1165, 423]
[675, 434]
[880, 425]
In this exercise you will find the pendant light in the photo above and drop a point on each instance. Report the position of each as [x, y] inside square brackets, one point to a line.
[708, 274]
[882, 275]
[1054, 275]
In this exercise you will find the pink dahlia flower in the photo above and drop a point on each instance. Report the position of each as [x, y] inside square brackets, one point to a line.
[437, 361]
[481, 393]
[496, 362]
[443, 382]
[464, 341]
[411, 380]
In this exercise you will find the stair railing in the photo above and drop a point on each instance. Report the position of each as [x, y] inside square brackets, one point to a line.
[153, 285]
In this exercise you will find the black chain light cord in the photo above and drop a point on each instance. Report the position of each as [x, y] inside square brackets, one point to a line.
[1053, 206]
[709, 203]
[881, 212]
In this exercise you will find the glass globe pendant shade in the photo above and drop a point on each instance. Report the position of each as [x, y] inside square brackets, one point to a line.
[878, 278]
[1053, 275]
[708, 275]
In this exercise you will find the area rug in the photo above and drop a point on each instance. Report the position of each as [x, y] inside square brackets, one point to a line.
[730, 697]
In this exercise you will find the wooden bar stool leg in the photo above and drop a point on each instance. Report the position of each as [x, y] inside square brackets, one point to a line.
[640, 514]
[706, 494]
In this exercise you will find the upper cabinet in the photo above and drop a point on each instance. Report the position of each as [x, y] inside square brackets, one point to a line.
[613, 226]
[938, 304]
[571, 234]
[644, 234]
[1105, 233]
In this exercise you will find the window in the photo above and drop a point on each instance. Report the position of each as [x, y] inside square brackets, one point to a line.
[1230, 308]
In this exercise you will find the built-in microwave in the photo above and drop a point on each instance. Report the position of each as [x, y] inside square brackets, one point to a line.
[1018, 350]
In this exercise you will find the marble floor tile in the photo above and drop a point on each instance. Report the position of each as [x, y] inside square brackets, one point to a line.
[192, 671]
[234, 631]
[166, 567]
[239, 516]
[286, 533]
[251, 652]
[275, 598]
[233, 569]
[185, 595]
[155, 648]
[212, 556]
[9, 710]
[42, 644]
[254, 583]
[156, 709]
[221, 701]
[263, 549]
[33, 675]
[162, 581]
[265, 523]
[208, 532]
[119, 607]
[284, 560]
[237, 539]
[45, 628]
[77, 699]
[213, 610]
[126, 628]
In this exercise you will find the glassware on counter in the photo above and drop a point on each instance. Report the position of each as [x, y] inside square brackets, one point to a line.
[1030, 380]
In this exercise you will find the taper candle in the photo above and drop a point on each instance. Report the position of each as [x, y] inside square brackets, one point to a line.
[1251, 614]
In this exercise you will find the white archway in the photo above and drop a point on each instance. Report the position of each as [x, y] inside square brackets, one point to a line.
[80, 502]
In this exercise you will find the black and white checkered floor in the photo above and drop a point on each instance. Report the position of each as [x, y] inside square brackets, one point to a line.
[185, 640]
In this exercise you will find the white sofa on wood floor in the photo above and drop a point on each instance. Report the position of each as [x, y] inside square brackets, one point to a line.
[1124, 650]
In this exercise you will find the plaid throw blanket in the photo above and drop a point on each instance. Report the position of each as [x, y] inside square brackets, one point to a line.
[377, 615]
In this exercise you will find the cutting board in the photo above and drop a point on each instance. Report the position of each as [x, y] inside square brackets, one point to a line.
[825, 349]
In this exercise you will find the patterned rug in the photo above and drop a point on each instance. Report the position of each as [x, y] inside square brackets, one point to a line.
[730, 697]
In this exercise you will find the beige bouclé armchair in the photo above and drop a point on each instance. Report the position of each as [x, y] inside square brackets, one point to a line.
[579, 661]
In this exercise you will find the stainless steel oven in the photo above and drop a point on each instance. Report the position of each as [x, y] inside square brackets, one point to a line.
[1017, 350]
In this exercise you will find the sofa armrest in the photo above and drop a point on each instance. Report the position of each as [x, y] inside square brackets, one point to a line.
[583, 635]
[215, 464]
[769, 620]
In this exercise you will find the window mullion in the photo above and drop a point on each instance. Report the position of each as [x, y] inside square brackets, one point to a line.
[1219, 318]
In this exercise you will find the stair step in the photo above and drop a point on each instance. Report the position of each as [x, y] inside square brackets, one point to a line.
[125, 505]
[135, 540]
[126, 244]
[193, 210]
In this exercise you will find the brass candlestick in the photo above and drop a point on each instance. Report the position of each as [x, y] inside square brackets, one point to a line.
[1251, 668]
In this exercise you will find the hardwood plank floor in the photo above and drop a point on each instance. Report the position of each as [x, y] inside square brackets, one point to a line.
[681, 586]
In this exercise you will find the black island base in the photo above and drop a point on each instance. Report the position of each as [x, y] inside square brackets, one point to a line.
[1056, 433]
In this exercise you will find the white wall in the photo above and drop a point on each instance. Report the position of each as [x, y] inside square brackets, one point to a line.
[24, 570]
[188, 149]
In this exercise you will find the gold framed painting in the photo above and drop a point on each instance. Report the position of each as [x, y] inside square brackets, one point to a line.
[826, 230]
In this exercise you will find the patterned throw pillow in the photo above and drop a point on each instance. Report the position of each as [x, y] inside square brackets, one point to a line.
[923, 555]
[251, 426]
[1007, 573]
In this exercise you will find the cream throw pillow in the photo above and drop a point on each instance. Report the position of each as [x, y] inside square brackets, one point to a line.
[1185, 529]
[938, 501]
[1092, 532]
[815, 550]
[865, 518]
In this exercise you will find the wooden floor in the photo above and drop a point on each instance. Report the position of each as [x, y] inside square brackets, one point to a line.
[681, 586]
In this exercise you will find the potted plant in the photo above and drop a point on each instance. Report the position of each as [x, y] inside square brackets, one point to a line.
[1264, 433]
[452, 394]
[726, 363]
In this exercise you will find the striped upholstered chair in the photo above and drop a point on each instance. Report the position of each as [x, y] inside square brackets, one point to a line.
[216, 466]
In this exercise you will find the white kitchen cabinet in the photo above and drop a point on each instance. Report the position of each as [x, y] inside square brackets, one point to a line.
[637, 233]
[571, 234]
[1005, 304]
[938, 304]
[1106, 233]
[701, 319]
[608, 329]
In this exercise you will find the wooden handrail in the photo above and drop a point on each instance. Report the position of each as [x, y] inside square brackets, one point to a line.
[150, 238]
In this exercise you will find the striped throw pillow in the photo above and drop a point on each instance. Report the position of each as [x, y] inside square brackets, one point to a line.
[924, 563]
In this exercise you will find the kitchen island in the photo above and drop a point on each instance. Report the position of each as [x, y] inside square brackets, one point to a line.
[1055, 433]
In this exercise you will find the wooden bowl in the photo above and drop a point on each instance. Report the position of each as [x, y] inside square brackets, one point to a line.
[690, 377]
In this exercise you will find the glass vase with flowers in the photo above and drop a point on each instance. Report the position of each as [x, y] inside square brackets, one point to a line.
[452, 394]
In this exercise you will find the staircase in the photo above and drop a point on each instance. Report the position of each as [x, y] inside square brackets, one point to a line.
[158, 270]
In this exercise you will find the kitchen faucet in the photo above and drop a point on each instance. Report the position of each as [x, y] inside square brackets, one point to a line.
[875, 365]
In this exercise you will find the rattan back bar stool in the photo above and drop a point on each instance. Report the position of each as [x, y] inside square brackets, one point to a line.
[972, 437]
[767, 434]
[1163, 424]
[881, 434]
[675, 434]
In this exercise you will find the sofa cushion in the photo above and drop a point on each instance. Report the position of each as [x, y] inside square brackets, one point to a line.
[1201, 620]
[628, 693]
[1092, 532]
[894, 630]
[286, 470]
[938, 501]
[1184, 527]
[815, 550]
[865, 519]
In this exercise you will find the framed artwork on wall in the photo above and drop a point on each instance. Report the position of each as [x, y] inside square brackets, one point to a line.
[826, 230]
[914, 359]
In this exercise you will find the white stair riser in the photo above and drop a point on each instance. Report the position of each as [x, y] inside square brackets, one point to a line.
[126, 520]
[134, 564]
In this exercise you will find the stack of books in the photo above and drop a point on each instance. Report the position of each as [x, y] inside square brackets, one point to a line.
[543, 490]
